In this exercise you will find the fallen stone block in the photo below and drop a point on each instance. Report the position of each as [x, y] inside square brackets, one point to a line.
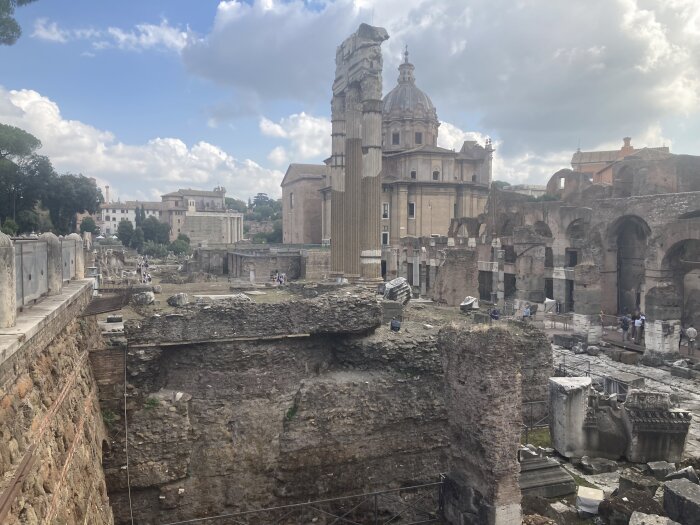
[682, 501]
[661, 469]
[618, 510]
[588, 499]
[545, 477]
[680, 371]
[562, 513]
[631, 479]
[629, 358]
[613, 353]
[179, 299]
[593, 350]
[143, 298]
[597, 465]
[685, 473]
[639, 518]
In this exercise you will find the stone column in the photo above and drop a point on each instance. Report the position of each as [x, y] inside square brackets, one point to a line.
[663, 327]
[370, 229]
[79, 256]
[337, 184]
[352, 218]
[55, 263]
[8, 283]
[483, 403]
[568, 401]
[587, 322]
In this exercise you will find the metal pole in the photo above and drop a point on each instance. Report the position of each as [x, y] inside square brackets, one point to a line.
[21, 269]
[376, 515]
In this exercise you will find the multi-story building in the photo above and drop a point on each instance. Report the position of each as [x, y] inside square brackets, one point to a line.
[201, 215]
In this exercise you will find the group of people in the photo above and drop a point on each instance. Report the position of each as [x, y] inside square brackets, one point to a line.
[633, 326]
[142, 270]
[279, 278]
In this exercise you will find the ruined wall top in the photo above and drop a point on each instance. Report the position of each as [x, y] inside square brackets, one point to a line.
[359, 57]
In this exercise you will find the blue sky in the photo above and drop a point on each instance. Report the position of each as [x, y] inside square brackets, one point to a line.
[151, 96]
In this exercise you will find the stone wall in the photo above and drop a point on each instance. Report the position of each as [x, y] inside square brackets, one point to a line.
[457, 277]
[316, 264]
[482, 365]
[51, 428]
[237, 425]
[353, 313]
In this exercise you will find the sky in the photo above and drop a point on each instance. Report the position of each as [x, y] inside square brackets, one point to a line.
[151, 96]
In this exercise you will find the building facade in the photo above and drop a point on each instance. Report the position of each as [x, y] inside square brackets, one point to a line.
[201, 215]
[302, 208]
[423, 186]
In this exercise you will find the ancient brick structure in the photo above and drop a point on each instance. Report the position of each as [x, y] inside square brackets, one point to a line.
[482, 365]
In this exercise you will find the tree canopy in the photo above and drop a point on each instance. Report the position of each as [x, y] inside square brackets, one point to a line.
[28, 181]
[10, 31]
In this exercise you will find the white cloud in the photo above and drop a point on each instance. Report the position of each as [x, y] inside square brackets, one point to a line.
[133, 170]
[308, 138]
[45, 30]
[142, 37]
[451, 137]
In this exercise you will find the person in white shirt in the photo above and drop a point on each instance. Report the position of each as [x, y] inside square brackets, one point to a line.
[691, 333]
[637, 329]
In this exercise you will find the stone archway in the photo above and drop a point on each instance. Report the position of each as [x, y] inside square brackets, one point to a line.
[629, 235]
[682, 263]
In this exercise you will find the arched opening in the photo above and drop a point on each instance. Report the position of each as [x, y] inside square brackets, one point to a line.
[683, 262]
[630, 234]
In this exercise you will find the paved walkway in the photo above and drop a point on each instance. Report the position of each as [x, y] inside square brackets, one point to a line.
[657, 379]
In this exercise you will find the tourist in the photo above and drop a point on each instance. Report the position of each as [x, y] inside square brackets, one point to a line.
[691, 333]
[625, 325]
[637, 328]
[495, 314]
[395, 325]
[643, 318]
[526, 313]
[633, 328]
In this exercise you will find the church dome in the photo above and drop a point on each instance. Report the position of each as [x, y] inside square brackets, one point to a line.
[406, 100]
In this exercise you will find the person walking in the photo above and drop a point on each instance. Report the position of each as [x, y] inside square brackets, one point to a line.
[526, 313]
[691, 333]
[625, 325]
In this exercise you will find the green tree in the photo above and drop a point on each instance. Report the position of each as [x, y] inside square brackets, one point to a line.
[153, 249]
[156, 231]
[10, 30]
[184, 238]
[88, 225]
[9, 227]
[15, 142]
[236, 205]
[179, 247]
[125, 231]
[28, 221]
[67, 195]
[137, 239]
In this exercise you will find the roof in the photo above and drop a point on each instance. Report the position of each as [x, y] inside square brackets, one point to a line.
[297, 172]
[132, 205]
[195, 193]
[406, 99]
[595, 157]
[425, 148]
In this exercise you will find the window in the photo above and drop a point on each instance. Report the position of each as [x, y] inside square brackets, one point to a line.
[571, 258]
[436, 175]
[291, 201]
[562, 183]
[419, 137]
[385, 210]
[395, 139]
[123, 211]
[411, 210]
[114, 211]
[413, 174]
[548, 260]
[385, 238]
[106, 217]
[114, 219]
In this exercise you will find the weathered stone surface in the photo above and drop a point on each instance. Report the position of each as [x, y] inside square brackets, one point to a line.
[484, 433]
[631, 479]
[545, 477]
[588, 499]
[639, 518]
[263, 423]
[48, 399]
[143, 298]
[682, 501]
[687, 473]
[179, 299]
[328, 314]
[661, 469]
[597, 465]
[593, 350]
[568, 402]
[618, 510]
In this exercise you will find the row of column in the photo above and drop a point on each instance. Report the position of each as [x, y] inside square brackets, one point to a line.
[54, 277]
